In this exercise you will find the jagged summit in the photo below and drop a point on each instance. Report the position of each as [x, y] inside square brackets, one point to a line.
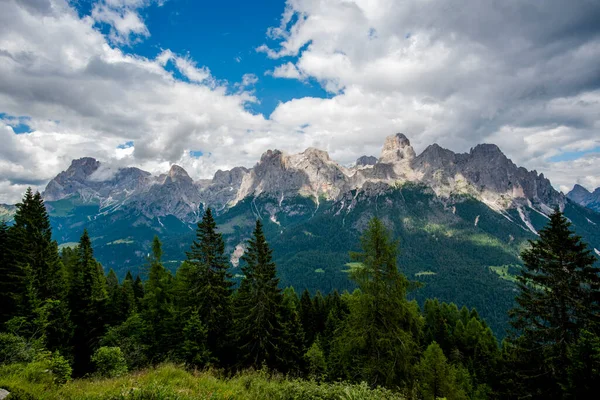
[396, 149]
[178, 174]
[484, 172]
[584, 197]
[365, 161]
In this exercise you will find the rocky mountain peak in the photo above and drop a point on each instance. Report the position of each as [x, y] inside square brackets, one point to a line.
[231, 177]
[396, 149]
[176, 173]
[81, 168]
[364, 161]
[584, 197]
[72, 180]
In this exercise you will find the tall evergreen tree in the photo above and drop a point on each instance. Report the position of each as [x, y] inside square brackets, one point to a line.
[12, 280]
[87, 301]
[36, 247]
[37, 262]
[307, 316]
[209, 291]
[292, 351]
[258, 306]
[157, 305]
[558, 293]
[378, 343]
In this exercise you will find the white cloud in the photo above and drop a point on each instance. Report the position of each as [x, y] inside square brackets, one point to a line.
[287, 70]
[429, 69]
[186, 66]
[447, 73]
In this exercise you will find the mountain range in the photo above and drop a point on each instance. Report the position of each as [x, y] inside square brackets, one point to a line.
[462, 219]
[584, 197]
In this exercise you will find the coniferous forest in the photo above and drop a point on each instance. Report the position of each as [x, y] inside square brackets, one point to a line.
[69, 329]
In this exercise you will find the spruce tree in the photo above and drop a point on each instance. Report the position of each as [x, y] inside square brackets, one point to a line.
[378, 343]
[209, 291]
[38, 267]
[292, 351]
[558, 292]
[258, 306]
[157, 305]
[12, 280]
[307, 316]
[114, 298]
[87, 301]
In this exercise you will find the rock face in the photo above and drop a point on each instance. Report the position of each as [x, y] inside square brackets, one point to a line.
[584, 197]
[366, 161]
[484, 173]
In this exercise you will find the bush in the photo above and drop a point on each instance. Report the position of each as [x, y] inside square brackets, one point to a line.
[14, 349]
[109, 362]
[61, 369]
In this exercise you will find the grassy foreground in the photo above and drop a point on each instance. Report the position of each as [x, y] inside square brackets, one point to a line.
[173, 382]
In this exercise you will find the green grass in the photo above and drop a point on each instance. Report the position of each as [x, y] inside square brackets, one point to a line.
[171, 382]
[503, 272]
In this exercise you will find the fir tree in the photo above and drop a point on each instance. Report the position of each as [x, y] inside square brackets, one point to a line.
[12, 280]
[194, 350]
[293, 349]
[307, 316]
[258, 306]
[157, 305]
[557, 299]
[138, 292]
[209, 281]
[87, 301]
[37, 263]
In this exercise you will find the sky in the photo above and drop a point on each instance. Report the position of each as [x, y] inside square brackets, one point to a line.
[212, 85]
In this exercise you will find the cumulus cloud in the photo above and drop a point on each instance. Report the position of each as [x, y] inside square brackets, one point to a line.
[84, 97]
[126, 24]
[521, 75]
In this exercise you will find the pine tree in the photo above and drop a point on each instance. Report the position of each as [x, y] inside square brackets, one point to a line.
[292, 349]
[378, 343]
[307, 316]
[87, 301]
[558, 292]
[258, 306]
[126, 305]
[209, 283]
[41, 272]
[157, 305]
[138, 292]
[37, 249]
[194, 350]
[114, 299]
[12, 280]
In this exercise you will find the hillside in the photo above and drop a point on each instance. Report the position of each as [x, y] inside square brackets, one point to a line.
[457, 216]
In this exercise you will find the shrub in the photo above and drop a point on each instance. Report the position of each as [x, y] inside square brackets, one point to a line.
[15, 349]
[109, 362]
[61, 369]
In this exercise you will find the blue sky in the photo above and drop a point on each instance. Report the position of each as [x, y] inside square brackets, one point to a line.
[213, 85]
[222, 35]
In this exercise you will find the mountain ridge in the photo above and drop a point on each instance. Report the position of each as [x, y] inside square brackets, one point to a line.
[485, 172]
[584, 197]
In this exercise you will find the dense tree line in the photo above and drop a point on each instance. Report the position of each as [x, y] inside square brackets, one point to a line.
[62, 302]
